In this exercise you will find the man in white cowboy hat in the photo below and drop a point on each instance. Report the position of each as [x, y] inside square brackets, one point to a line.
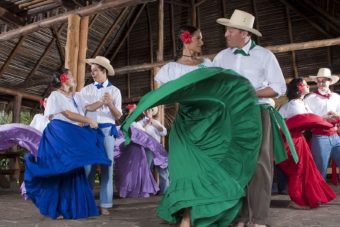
[325, 103]
[155, 129]
[103, 103]
[262, 69]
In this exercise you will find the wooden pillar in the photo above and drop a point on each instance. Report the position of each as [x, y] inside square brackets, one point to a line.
[84, 30]
[193, 13]
[290, 32]
[72, 45]
[160, 51]
[16, 108]
[152, 84]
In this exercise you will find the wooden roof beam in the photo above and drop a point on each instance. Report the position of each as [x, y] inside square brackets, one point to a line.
[128, 32]
[297, 11]
[32, 3]
[178, 3]
[323, 15]
[71, 4]
[36, 66]
[120, 31]
[12, 55]
[42, 8]
[121, 16]
[85, 11]
[56, 35]
[24, 95]
[11, 18]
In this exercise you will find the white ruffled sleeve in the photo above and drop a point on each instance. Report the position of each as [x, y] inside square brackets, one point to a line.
[55, 104]
[163, 75]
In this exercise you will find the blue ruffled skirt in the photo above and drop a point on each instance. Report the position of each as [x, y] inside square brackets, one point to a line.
[55, 181]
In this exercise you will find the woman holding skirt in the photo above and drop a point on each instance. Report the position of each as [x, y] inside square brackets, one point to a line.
[55, 180]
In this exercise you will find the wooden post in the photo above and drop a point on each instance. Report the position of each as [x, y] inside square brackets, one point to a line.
[160, 52]
[84, 30]
[16, 108]
[72, 45]
[150, 45]
[193, 13]
[296, 74]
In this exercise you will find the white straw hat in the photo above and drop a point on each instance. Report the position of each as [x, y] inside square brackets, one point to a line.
[154, 110]
[102, 61]
[240, 20]
[325, 73]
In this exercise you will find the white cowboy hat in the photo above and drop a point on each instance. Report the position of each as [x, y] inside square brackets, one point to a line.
[102, 61]
[240, 20]
[325, 73]
[154, 111]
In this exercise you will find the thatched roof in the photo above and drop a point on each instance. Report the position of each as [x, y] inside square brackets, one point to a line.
[127, 35]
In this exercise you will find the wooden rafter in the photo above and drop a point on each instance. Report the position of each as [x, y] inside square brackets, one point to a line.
[323, 15]
[12, 55]
[128, 32]
[31, 3]
[85, 11]
[42, 8]
[119, 32]
[300, 13]
[36, 66]
[197, 4]
[11, 18]
[44, 3]
[113, 27]
[179, 3]
[15, 92]
[56, 35]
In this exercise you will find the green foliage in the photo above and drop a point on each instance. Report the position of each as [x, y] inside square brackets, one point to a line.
[25, 117]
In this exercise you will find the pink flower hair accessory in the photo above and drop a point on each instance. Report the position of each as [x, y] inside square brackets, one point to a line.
[186, 37]
[63, 78]
[131, 107]
[300, 86]
[41, 102]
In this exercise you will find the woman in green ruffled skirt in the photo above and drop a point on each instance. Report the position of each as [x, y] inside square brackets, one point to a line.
[214, 140]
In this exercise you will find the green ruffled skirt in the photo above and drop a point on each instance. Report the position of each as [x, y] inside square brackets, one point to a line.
[213, 144]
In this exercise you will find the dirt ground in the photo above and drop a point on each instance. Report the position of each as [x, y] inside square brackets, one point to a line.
[15, 211]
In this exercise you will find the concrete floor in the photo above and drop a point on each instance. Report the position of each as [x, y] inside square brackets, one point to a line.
[15, 211]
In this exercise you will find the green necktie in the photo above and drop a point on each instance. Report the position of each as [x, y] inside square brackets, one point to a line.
[242, 52]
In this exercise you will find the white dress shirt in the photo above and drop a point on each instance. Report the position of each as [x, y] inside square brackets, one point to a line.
[321, 105]
[92, 94]
[261, 68]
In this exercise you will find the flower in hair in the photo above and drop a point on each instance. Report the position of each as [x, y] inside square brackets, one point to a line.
[131, 107]
[41, 102]
[186, 37]
[63, 78]
[300, 86]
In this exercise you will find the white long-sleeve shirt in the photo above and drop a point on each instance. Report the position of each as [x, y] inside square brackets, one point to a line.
[261, 68]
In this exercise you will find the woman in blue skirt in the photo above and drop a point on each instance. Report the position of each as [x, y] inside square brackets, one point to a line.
[55, 180]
